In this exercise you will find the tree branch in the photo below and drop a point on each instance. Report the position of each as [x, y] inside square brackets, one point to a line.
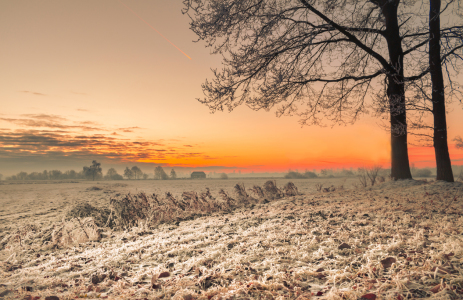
[354, 39]
[416, 47]
[355, 78]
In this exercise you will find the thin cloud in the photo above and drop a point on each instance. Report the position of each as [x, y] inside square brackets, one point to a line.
[47, 117]
[34, 93]
[50, 121]
[49, 144]
[129, 129]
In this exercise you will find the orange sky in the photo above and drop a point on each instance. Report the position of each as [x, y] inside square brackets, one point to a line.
[84, 80]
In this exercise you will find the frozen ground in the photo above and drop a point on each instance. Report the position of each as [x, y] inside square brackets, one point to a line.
[396, 240]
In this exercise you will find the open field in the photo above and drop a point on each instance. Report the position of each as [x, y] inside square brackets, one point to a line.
[396, 240]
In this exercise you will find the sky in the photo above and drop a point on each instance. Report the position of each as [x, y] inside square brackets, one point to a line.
[117, 82]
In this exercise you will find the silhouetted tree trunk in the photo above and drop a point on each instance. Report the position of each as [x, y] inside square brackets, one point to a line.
[400, 166]
[444, 166]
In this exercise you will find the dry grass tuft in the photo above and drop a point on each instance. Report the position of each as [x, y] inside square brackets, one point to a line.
[291, 189]
[84, 210]
[271, 190]
[258, 191]
[240, 192]
[75, 231]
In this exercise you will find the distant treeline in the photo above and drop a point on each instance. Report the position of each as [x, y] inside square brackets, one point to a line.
[93, 172]
[48, 175]
[330, 173]
[323, 173]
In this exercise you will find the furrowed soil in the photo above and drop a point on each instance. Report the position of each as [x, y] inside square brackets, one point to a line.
[395, 240]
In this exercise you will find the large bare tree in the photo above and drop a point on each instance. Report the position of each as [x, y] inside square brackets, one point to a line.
[321, 60]
[435, 48]
[443, 164]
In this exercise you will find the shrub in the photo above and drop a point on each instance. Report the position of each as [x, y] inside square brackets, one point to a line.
[422, 173]
[310, 175]
[294, 175]
[297, 175]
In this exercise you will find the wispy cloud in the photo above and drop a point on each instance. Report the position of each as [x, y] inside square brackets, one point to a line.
[51, 121]
[129, 129]
[55, 144]
[34, 93]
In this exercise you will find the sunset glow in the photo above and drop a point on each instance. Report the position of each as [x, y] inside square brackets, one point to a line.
[84, 80]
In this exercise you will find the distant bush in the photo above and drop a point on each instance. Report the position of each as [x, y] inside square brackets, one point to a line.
[223, 176]
[113, 175]
[297, 175]
[346, 173]
[310, 175]
[422, 173]
[294, 175]
[160, 174]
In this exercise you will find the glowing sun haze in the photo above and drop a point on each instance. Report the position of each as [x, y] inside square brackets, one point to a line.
[112, 81]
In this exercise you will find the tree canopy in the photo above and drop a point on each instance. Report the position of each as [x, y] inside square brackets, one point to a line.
[319, 60]
[94, 171]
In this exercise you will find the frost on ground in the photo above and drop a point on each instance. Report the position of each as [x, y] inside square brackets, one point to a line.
[397, 240]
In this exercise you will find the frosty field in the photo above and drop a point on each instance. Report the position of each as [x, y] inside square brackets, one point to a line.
[395, 240]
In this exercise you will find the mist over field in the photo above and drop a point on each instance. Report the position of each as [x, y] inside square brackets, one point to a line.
[224, 150]
[215, 239]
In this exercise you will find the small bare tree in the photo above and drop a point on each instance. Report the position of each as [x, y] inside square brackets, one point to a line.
[362, 176]
[173, 174]
[372, 174]
[94, 171]
[137, 172]
[160, 174]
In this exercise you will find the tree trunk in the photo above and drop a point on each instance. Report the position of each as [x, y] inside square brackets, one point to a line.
[400, 166]
[441, 149]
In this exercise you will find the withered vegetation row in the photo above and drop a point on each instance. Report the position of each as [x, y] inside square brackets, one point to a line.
[85, 222]
[141, 209]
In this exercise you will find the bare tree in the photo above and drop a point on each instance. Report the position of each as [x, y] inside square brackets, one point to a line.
[173, 175]
[443, 163]
[137, 172]
[128, 173]
[372, 174]
[362, 176]
[435, 48]
[112, 174]
[159, 173]
[94, 171]
[307, 58]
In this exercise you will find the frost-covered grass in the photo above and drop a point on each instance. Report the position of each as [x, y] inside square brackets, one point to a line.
[396, 240]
